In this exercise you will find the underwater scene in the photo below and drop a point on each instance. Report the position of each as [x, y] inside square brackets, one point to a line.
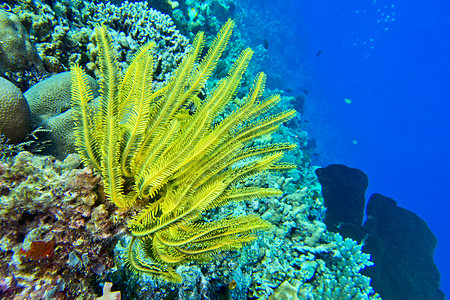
[224, 149]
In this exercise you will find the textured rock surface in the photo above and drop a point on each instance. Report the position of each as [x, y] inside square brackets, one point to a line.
[402, 249]
[16, 51]
[343, 190]
[15, 120]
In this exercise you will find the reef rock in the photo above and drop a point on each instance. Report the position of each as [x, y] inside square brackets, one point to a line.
[343, 190]
[402, 249]
[16, 51]
[15, 119]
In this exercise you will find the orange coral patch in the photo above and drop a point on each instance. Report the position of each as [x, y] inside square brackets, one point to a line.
[39, 250]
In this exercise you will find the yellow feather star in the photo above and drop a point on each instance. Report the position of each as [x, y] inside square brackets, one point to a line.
[181, 164]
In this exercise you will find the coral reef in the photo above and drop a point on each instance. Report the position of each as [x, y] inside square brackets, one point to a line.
[56, 228]
[63, 33]
[15, 119]
[59, 231]
[304, 254]
[133, 25]
[56, 217]
[298, 254]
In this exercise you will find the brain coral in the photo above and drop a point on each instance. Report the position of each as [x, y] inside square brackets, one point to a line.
[49, 102]
[52, 97]
[15, 120]
[16, 51]
[61, 134]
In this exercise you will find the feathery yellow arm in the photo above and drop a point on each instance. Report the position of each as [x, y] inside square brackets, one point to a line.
[204, 232]
[167, 106]
[129, 81]
[205, 139]
[138, 264]
[134, 125]
[108, 119]
[85, 138]
[209, 62]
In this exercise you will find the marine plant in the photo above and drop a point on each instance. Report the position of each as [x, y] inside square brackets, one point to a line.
[165, 153]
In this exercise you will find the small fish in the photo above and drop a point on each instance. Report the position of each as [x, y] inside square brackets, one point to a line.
[318, 53]
[265, 44]
[232, 285]
[348, 101]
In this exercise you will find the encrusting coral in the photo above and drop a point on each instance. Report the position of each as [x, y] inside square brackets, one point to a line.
[176, 160]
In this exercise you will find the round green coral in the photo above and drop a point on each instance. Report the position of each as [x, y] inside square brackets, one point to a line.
[15, 119]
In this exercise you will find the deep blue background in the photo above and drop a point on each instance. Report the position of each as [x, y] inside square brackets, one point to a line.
[391, 59]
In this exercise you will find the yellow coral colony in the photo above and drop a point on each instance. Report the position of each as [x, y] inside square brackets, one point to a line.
[156, 153]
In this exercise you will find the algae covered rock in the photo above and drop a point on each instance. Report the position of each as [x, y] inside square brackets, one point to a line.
[15, 119]
[16, 51]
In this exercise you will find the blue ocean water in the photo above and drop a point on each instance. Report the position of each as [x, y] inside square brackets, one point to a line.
[376, 77]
